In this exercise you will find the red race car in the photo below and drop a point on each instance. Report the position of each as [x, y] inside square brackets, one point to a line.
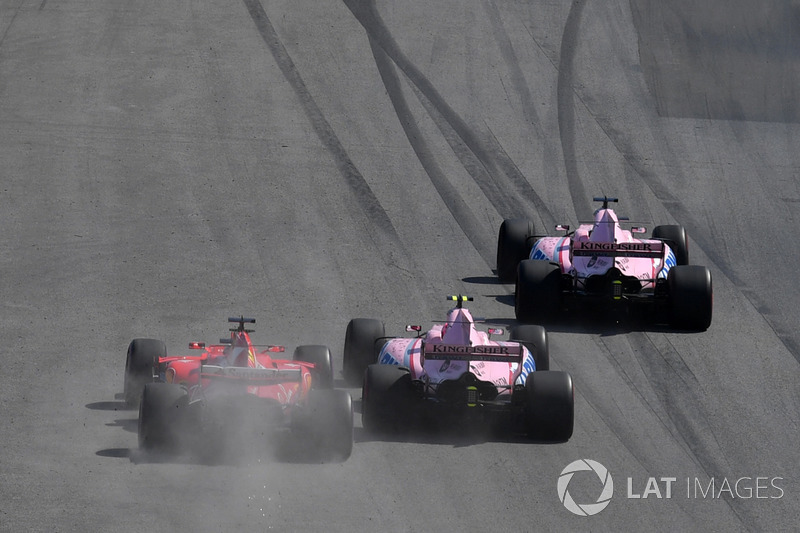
[202, 403]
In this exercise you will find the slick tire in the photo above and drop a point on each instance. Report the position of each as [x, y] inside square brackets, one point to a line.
[140, 364]
[677, 239]
[691, 297]
[320, 356]
[534, 338]
[361, 348]
[331, 424]
[385, 397]
[537, 297]
[551, 405]
[161, 415]
[513, 246]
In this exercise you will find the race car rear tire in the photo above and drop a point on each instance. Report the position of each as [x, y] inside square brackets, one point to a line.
[676, 238]
[385, 397]
[691, 295]
[534, 338]
[551, 405]
[513, 246]
[537, 298]
[331, 423]
[361, 347]
[320, 356]
[161, 413]
[140, 363]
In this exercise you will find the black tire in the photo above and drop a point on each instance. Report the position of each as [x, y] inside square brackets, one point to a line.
[385, 397]
[161, 413]
[691, 296]
[320, 356]
[361, 348]
[140, 364]
[675, 236]
[537, 298]
[513, 246]
[330, 421]
[534, 338]
[551, 405]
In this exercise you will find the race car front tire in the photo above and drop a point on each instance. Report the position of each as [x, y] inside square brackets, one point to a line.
[537, 298]
[551, 405]
[360, 348]
[385, 397]
[676, 238]
[161, 414]
[320, 356]
[534, 338]
[513, 246]
[140, 363]
[691, 297]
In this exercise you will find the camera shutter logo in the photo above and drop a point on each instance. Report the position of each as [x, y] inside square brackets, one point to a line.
[585, 509]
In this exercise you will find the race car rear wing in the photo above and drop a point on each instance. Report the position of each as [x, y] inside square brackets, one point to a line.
[653, 249]
[459, 352]
[252, 376]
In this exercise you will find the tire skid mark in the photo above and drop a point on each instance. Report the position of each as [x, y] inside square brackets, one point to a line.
[491, 170]
[566, 109]
[355, 181]
[11, 22]
[460, 211]
[672, 381]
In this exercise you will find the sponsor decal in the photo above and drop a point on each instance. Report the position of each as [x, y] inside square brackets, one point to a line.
[613, 249]
[669, 262]
[387, 359]
[528, 366]
[459, 352]
[538, 253]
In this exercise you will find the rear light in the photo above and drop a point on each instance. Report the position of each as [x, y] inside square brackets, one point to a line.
[276, 348]
[638, 229]
[197, 345]
[472, 396]
[616, 288]
[562, 227]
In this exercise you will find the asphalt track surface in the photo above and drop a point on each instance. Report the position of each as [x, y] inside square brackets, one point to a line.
[168, 164]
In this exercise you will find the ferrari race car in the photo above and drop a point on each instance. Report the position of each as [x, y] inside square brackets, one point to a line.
[199, 403]
[454, 372]
[602, 263]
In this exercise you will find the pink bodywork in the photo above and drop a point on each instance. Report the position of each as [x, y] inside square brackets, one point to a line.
[241, 354]
[459, 329]
[645, 259]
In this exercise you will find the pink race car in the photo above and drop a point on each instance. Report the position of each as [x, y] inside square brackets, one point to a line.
[235, 388]
[455, 371]
[602, 263]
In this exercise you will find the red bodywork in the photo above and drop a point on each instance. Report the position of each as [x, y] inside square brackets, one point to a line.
[239, 364]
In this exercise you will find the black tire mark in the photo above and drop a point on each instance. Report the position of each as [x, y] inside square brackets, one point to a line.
[460, 211]
[488, 166]
[549, 150]
[566, 108]
[355, 181]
